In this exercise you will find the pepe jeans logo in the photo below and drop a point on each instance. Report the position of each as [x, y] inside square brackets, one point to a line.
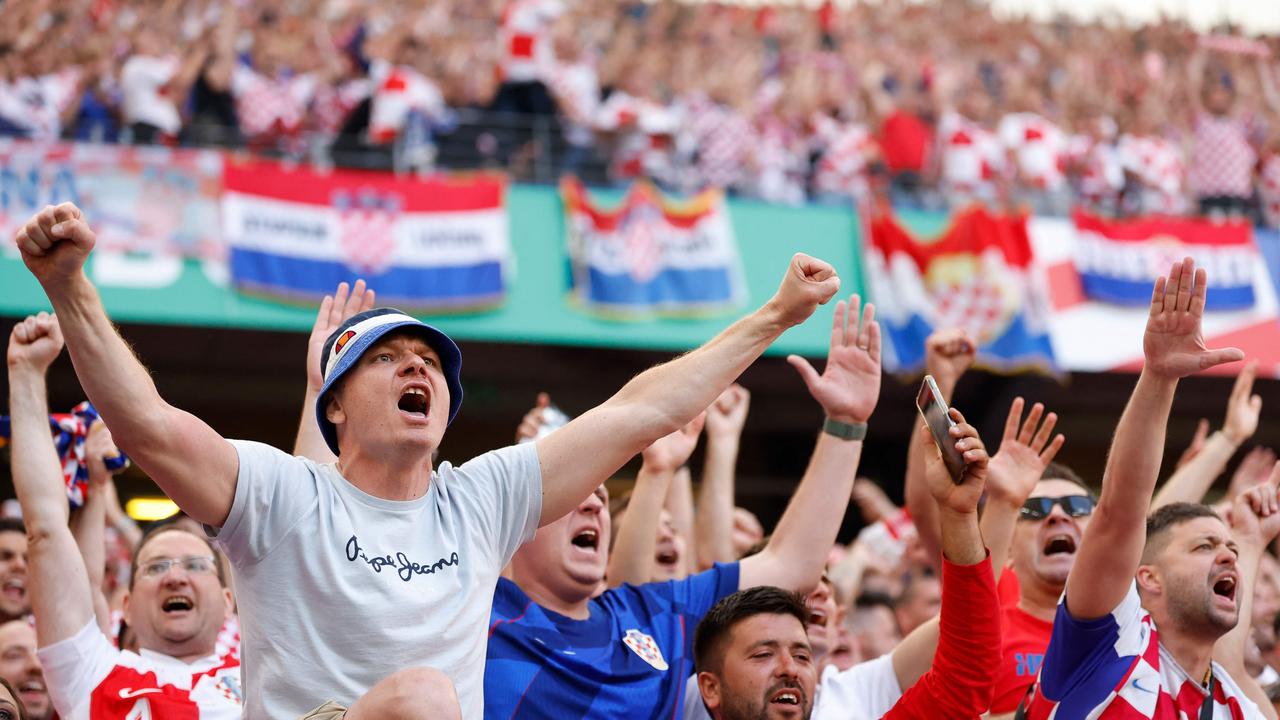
[644, 646]
[399, 562]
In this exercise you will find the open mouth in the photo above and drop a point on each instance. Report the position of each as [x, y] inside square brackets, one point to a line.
[818, 617]
[786, 696]
[587, 540]
[14, 589]
[176, 604]
[667, 558]
[32, 688]
[1225, 587]
[1060, 545]
[414, 402]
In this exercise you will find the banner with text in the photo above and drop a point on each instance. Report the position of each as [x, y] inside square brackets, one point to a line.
[431, 244]
[975, 276]
[143, 200]
[651, 255]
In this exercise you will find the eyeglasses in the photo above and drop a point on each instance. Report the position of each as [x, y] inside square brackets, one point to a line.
[194, 564]
[1038, 508]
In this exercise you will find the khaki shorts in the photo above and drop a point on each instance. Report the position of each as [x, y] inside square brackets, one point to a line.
[328, 711]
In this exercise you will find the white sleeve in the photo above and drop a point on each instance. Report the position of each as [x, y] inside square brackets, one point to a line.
[274, 491]
[74, 667]
[501, 491]
[694, 708]
[866, 690]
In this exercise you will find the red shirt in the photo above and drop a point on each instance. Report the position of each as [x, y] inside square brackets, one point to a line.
[959, 684]
[904, 141]
[1024, 639]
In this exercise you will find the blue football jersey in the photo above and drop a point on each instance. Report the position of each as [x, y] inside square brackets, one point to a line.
[629, 660]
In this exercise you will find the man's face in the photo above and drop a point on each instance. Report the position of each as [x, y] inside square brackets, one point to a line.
[14, 602]
[768, 672]
[569, 556]
[1198, 576]
[20, 666]
[669, 551]
[922, 602]
[176, 610]
[394, 396]
[876, 630]
[822, 627]
[1044, 550]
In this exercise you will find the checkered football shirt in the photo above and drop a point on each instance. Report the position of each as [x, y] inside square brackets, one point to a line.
[1114, 668]
[1222, 163]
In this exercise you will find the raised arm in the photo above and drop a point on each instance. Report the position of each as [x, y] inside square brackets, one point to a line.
[56, 576]
[1016, 468]
[1173, 348]
[334, 310]
[188, 460]
[713, 530]
[89, 523]
[947, 355]
[1255, 522]
[1193, 479]
[631, 557]
[847, 390]
[662, 399]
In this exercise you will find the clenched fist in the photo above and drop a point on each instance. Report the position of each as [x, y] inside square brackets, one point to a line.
[35, 343]
[809, 282]
[55, 243]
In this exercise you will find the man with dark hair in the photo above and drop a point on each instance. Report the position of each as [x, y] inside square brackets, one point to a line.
[14, 602]
[20, 666]
[755, 667]
[177, 599]
[1145, 615]
[873, 623]
[398, 558]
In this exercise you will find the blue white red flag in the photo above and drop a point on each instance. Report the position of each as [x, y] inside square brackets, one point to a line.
[70, 430]
[437, 243]
[650, 255]
[976, 276]
[1117, 259]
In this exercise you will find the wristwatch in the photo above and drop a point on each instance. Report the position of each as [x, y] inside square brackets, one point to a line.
[844, 430]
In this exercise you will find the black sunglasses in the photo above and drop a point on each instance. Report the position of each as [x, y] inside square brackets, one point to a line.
[1038, 508]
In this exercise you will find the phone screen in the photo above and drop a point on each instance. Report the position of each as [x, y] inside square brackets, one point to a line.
[934, 411]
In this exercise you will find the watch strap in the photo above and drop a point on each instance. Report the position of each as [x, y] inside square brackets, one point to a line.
[844, 430]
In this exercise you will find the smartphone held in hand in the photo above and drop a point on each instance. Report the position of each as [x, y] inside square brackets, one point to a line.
[937, 417]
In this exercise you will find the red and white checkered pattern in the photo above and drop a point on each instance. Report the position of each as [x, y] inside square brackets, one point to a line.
[723, 138]
[398, 91]
[527, 54]
[1222, 162]
[334, 103]
[846, 149]
[644, 251]
[1101, 173]
[1038, 147]
[972, 157]
[1269, 189]
[269, 107]
[1158, 166]
[978, 305]
[367, 229]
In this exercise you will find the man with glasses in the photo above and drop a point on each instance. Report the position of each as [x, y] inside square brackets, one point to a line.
[177, 600]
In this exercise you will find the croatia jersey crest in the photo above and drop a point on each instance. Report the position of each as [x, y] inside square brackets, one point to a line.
[644, 646]
[367, 220]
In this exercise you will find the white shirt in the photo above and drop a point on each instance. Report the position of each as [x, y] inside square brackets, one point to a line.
[338, 589]
[142, 79]
[85, 672]
[867, 691]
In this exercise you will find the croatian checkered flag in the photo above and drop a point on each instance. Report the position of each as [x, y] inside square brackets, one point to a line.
[70, 430]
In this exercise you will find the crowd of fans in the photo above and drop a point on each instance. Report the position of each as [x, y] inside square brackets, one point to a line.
[357, 577]
[926, 104]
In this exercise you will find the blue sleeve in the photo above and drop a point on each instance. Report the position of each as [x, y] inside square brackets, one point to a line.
[1088, 658]
[694, 595]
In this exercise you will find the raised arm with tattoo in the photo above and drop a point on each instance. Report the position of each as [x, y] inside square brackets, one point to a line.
[190, 461]
[1174, 348]
[1193, 479]
[660, 400]
[632, 556]
[713, 530]
[847, 390]
[56, 576]
[947, 355]
[1016, 468]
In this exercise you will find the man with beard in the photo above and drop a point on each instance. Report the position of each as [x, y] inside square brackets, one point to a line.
[14, 602]
[557, 650]
[754, 659]
[177, 597]
[1145, 615]
[21, 668]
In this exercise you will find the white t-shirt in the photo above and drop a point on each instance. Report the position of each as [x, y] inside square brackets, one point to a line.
[85, 672]
[143, 79]
[867, 691]
[338, 589]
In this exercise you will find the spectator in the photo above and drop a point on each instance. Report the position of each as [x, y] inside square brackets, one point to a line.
[874, 625]
[14, 601]
[20, 668]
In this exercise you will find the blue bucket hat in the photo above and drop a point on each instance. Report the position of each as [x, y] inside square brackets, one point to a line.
[345, 346]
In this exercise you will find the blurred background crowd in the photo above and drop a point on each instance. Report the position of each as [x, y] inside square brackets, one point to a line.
[924, 104]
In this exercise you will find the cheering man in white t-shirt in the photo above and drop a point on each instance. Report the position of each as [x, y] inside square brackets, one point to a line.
[380, 563]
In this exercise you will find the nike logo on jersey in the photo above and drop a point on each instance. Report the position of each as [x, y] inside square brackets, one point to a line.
[1136, 686]
[127, 693]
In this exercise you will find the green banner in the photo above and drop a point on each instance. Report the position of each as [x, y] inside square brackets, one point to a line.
[172, 291]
